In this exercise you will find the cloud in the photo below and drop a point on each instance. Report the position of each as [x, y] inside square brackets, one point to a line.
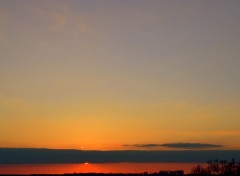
[176, 145]
[56, 17]
[59, 16]
[190, 145]
[144, 145]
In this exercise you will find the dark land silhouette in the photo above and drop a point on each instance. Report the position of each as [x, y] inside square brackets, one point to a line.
[214, 168]
[163, 173]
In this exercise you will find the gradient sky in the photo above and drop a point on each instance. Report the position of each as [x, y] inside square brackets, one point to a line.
[97, 74]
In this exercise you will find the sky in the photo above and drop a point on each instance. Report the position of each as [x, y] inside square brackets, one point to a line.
[119, 75]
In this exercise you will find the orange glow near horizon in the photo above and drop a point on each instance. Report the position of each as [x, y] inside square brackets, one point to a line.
[94, 168]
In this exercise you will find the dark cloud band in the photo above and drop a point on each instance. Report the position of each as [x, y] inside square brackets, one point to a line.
[47, 156]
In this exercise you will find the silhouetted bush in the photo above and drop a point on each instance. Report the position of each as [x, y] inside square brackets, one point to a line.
[200, 170]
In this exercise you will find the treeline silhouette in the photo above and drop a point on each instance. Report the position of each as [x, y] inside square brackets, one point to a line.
[218, 167]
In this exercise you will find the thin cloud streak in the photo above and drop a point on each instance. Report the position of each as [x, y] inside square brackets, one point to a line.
[60, 16]
[191, 145]
[177, 145]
